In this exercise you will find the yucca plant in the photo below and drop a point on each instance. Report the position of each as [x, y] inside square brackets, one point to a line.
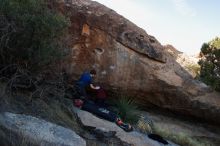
[127, 109]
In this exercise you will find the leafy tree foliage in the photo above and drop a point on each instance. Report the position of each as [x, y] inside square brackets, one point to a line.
[210, 63]
[30, 32]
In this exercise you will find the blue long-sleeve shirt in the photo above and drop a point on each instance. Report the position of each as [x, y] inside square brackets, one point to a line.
[85, 80]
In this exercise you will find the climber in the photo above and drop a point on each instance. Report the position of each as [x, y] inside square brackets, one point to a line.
[99, 96]
[86, 80]
[102, 113]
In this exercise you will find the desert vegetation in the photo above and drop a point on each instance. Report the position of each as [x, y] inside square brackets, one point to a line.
[30, 33]
[210, 63]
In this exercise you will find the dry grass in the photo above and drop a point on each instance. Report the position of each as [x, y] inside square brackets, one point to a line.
[50, 109]
[145, 125]
[10, 138]
[182, 139]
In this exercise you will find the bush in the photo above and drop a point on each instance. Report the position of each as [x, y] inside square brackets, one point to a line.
[127, 109]
[210, 63]
[194, 68]
[30, 32]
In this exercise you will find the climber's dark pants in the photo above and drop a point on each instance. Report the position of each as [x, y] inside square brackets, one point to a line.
[80, 90]
[99, 111]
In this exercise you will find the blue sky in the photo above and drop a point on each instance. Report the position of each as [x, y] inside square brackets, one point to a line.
[185, 24]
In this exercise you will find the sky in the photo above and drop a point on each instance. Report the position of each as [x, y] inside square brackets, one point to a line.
[185, 24]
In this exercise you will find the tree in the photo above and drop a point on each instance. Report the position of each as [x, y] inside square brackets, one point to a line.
[210, 63]
[30, 32]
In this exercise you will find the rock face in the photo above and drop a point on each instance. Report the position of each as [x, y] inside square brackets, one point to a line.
[189, 63]
[40, 132]
[128, 59]
[133, 138]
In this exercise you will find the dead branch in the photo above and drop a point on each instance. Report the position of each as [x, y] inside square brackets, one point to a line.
[23, 79]
[7, 67]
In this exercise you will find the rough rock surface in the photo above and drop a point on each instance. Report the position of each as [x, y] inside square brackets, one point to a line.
[134, 138]
[40, 132]
[128, 59]
[189, 63]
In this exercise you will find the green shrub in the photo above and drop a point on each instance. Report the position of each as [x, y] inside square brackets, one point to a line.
[195, 68]
[127, 109]
[210, 63]
[30, 32]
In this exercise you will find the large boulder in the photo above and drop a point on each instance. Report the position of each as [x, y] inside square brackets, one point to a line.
[38, 132]
[129, 59]
[133, 138]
